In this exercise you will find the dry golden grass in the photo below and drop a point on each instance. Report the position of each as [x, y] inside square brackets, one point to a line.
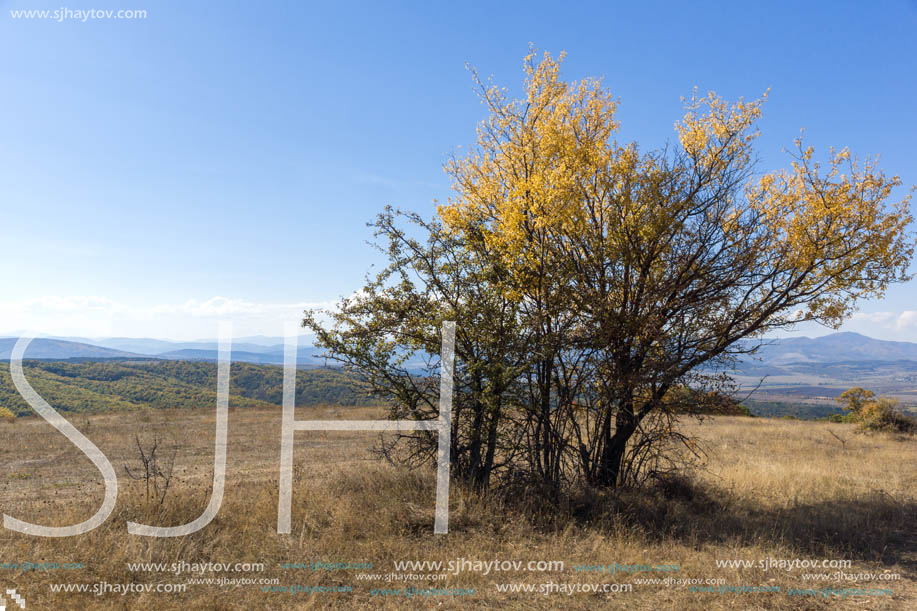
[778, 489]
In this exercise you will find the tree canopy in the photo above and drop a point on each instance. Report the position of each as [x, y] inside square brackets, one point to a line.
[625, 274]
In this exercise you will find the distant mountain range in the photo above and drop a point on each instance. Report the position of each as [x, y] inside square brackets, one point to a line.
[261, 350]
[57, 349]
[799, 376]
[835, 348]
[840, 360]
[774, 354]
[821, 366]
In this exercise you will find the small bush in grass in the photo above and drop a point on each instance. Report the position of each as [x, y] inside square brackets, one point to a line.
[883, 414]
[874, 413]
[6, 415]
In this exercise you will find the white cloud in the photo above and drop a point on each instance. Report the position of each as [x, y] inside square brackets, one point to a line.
[906, 319]
[57, 303]
[94, 316]
[226, 306]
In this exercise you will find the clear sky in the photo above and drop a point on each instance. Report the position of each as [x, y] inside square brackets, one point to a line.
[220, 160]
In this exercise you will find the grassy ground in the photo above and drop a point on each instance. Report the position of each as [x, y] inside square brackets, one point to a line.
[770, 489]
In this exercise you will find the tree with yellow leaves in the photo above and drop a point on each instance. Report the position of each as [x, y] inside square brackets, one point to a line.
[593, 282]
[660, 264]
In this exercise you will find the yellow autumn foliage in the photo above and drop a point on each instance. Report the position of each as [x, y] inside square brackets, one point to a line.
[548, 183]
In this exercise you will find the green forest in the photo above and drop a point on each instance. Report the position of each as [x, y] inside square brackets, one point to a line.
[79, 386]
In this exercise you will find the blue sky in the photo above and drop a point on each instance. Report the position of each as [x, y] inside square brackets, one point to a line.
[220, 160]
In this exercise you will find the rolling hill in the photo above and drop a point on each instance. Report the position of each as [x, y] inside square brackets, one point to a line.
[77, 386]
[799, 376]
[41, 348]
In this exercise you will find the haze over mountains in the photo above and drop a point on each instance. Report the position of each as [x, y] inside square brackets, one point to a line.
[780, 357]
[258, 349]
[812, 372]
[775, 355]
[798, 376]
[834, 348]
[802, 367]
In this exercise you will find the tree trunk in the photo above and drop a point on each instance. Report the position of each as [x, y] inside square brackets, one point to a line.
[615, 445]
[491, 448]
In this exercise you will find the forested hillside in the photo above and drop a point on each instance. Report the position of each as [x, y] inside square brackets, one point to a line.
[76, 386]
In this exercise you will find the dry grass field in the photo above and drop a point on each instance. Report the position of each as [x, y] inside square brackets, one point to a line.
[770, 489]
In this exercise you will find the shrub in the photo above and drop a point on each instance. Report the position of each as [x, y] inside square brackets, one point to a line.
[7, 415]
[854, 399]
[883, 414]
